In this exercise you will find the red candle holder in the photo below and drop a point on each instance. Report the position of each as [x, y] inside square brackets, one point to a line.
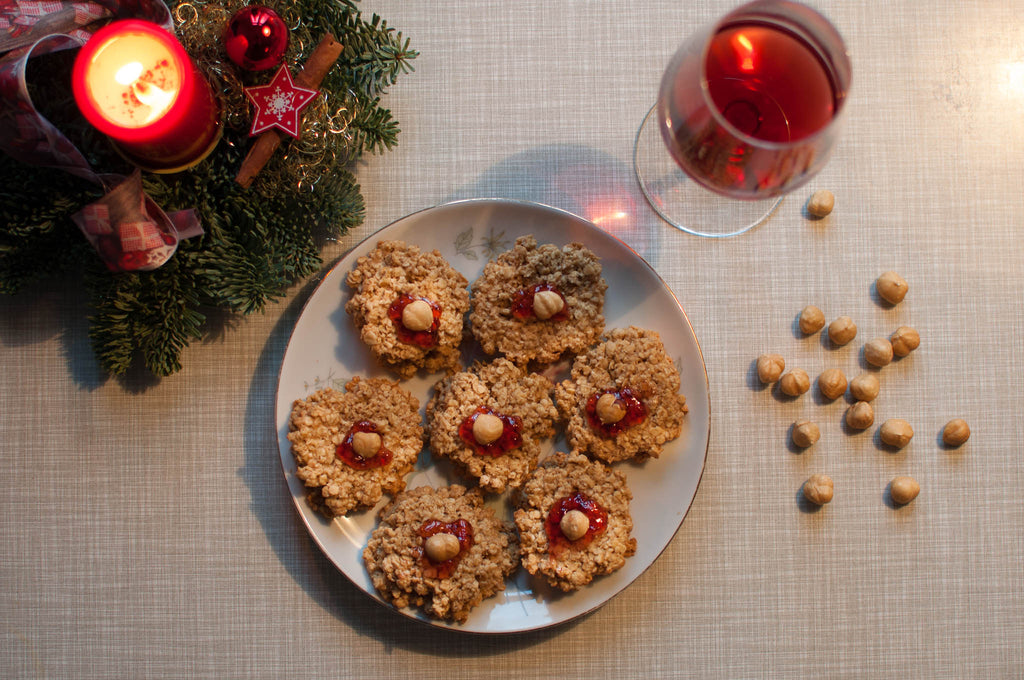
[134, 82]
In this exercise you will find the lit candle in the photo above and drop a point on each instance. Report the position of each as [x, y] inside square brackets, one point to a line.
[135, 83]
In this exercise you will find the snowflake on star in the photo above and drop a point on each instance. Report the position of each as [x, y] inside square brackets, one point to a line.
[279, 103]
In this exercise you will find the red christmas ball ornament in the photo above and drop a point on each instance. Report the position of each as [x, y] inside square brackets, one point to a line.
[256, 38]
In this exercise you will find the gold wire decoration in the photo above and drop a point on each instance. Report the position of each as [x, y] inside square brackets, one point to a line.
[325, 140]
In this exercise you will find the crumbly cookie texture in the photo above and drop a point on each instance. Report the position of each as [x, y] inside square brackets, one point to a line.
[322, 421]
[631, 358]
[557, 477]
[393, 269]
[507, 389]
[399, 570]
[573, 270]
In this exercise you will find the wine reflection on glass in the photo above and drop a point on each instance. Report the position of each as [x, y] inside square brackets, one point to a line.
[749, 109]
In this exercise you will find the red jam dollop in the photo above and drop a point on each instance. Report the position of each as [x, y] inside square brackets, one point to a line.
[425, 339]
[347, 454]
[511, 433]
[636, 412]
[557, 541]
[461, 529]
[522, 302]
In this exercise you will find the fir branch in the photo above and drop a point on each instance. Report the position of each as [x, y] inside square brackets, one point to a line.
[374, 130]
[374, 54]
[38, 239]
[155, 314]
[378, 55]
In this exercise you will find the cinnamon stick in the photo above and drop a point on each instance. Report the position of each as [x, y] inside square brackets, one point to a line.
[310, 77]
[319, 63]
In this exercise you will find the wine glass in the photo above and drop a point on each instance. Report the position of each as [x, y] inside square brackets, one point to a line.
[749, 108]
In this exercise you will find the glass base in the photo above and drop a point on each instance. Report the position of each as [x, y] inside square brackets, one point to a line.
[682, 202]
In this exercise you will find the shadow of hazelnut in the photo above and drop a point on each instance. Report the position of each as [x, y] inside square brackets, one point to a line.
[753, 381]
[795, 328]
[890, 503]
[887, 448]
[781, 396]
[887, 498]
[853, 431]
[949, 448]
[805, 505]
[810, 217]
[877, 298]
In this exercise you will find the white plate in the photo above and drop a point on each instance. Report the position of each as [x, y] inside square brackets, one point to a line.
[325, 350]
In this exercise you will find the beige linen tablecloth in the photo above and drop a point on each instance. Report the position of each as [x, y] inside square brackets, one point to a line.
[147, 530]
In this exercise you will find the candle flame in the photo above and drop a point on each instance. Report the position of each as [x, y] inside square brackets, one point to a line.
[152, 96]
[129, 73]
[157, 99]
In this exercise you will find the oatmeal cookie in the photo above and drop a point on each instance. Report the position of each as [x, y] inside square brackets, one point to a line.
[536, 302]
[573, 519]
[410, 565]
[352, 447]
[409, 306]
[622, 398]
[490, 421]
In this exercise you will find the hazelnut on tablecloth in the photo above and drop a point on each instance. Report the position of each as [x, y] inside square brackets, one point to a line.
[902, 490]
[865, 387]
[770, 367]
[860, 416]
[832, 383]
[891, 287]
[440, 549]
[533, 303]
[573, 519]
[842, 330]
[811, 320]
[490, 421]
[794, 382]
[956, 432]
[818, 489]
[896, 432]
[878, 352]
[805, 433]
[644, 410]
[408, 306]
[904, 340]
[352, 447]
[820, 203]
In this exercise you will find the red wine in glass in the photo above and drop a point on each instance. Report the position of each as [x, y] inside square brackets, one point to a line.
[748, 107]
[768, 83]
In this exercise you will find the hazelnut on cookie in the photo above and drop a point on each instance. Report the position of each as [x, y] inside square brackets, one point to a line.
[440, 549]
[573, 519]
[408, 306]
[352, 447]
[533, 303]
[490, 420]
[622, 398]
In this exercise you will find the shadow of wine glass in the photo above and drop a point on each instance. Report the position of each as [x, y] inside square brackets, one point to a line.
[578, 179]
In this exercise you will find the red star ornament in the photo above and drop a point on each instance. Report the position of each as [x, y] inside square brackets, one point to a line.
[278, 103]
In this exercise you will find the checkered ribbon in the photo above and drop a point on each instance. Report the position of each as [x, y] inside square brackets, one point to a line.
[146, 237]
